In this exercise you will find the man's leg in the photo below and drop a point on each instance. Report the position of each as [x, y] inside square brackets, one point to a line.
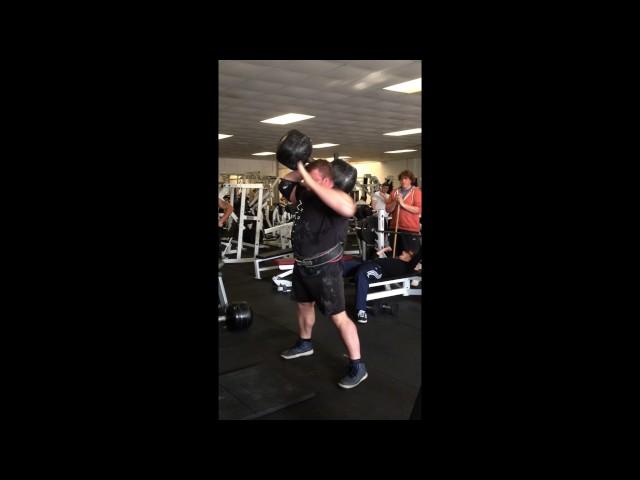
[398, 242]
[386, 235]
[349, 267]
[417, 242]
[357, 370]
[401, 242]
[332, 305]
[410, 242]
[349, 333]
[362, 288]
[306, 319]
[367, 272]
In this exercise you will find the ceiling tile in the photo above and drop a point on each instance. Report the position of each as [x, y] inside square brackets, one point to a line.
[346, 98]
[378, 64]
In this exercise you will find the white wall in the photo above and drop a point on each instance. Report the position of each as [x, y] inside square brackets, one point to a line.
[373, 168]
[363, 167]
[391, 167]
[266, 167]
[379, 169]
[394, 167]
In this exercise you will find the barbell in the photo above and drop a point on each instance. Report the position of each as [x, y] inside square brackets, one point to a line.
[238, 316]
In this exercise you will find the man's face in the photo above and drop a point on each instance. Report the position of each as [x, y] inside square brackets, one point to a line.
[406, 182]
[325, 182]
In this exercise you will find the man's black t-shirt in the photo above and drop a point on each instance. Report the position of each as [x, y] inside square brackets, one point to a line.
[316, 227]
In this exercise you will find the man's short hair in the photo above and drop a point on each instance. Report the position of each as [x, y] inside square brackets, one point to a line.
[407, 173]
[323, 166]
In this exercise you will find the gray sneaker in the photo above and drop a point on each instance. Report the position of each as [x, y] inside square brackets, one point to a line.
[362, 316]
[300, 349]
[356, 374]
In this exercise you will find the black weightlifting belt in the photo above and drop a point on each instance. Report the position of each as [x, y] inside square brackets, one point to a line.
[333, 254]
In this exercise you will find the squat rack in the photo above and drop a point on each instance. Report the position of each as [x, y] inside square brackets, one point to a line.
[244, 188]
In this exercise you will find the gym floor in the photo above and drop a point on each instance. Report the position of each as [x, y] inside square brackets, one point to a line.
[390, 345]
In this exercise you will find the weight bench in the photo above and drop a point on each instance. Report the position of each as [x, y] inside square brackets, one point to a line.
[391, 290]
[393, 287]
[266, 256]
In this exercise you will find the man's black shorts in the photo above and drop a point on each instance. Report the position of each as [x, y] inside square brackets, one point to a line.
[405, 242]
[323, 285]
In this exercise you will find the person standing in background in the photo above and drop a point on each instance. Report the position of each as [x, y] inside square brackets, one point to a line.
[228, 210]
[405, 206]
[380, 197]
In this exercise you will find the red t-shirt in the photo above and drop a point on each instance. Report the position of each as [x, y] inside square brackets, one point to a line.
[407, 220]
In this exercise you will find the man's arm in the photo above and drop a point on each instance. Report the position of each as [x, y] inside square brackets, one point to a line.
[337, 200]
[391, 203]
[228, 210]
[411, 208]
[408, 208]
[293, 176]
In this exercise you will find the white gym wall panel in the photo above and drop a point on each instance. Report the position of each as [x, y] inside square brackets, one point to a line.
[379, 169]
[394, 167]
[244, 165]
[372, 168]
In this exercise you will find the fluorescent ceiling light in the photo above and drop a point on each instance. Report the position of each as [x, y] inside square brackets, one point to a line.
[222, 135]
[405, 132]
[325, 145]
[331, 158]
[400, 151]
[412, 86]
[264, 153]
[288, 118]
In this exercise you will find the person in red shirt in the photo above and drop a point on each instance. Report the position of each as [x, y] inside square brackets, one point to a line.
[405, 206]
[228, 210]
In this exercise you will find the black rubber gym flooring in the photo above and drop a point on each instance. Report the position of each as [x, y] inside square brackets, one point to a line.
[256, 383]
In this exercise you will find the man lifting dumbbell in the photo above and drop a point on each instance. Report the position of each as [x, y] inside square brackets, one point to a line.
[320, 192]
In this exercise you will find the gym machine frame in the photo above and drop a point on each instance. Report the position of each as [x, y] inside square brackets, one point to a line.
[237, 316]
[258, 218]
